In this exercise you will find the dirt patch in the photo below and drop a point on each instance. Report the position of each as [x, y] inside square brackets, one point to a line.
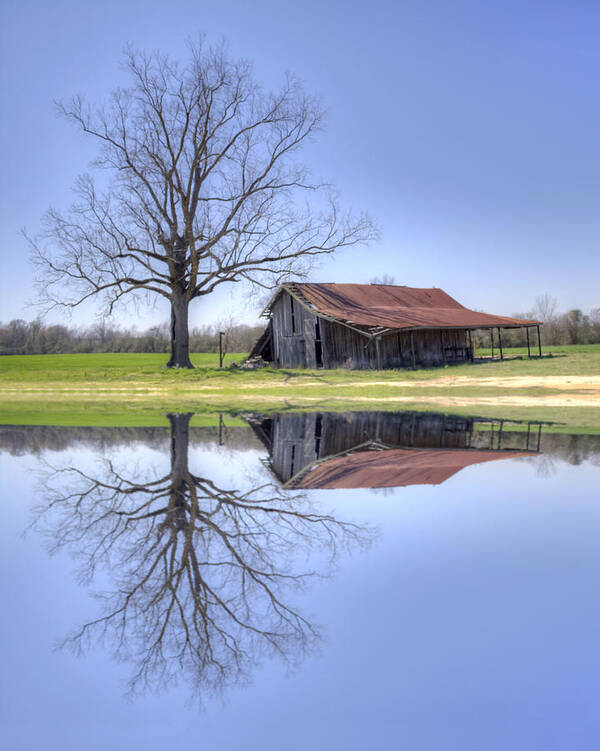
[572, 400]
[560, 391]
[565, 383]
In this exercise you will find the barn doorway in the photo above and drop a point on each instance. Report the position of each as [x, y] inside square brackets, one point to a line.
[318, 347]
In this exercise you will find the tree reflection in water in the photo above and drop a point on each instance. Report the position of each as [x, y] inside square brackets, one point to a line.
[200, 574]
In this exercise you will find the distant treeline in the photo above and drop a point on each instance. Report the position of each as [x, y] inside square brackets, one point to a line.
[36, 338]
[572, 327]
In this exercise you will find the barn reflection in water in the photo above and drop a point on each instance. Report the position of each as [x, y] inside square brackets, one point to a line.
[379, 449]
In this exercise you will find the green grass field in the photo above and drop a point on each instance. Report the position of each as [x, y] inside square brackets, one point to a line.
[121, 366]
[149, 368]
[130, 389]
[578, 359]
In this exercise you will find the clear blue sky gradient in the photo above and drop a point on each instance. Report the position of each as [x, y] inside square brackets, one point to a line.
[469, 130]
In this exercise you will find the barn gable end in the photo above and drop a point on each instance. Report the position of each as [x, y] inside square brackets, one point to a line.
[294, 333]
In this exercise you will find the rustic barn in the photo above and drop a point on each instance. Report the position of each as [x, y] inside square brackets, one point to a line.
[379, 449]
[373, 326]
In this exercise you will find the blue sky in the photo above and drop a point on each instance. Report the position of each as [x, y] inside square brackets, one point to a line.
[468, 130]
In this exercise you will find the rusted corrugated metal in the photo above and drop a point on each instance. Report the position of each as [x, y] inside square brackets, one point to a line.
[396, 467]
[387, 306]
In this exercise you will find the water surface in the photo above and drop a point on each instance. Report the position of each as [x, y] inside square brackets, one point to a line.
[304, 581]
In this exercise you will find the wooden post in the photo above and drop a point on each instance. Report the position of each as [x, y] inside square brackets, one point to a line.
[221, 335]
[469, 332]
[378, 352]
[500, 343]
[442, 346]
[528, 431]
[528, 345]
[492, 338]
[412, 349]
[539, 437]
[539, 339]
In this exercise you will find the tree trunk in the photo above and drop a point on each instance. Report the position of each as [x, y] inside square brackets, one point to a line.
[180, 430]
[180, 335]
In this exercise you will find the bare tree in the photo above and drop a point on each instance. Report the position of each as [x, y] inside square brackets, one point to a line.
[383, 279]
[203, 189]
[201, 574]
[545, 308]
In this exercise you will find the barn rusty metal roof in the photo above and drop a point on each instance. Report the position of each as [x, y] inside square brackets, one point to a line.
[377, 306]
[394, 467]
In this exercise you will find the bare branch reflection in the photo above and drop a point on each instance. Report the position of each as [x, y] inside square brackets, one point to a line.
[200, 575]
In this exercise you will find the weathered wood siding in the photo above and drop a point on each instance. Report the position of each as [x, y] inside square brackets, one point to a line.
[345, 348]
[295, 333]
[432, 347]
[294, 443]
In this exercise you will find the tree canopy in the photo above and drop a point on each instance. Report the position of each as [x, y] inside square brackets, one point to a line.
[204, 188]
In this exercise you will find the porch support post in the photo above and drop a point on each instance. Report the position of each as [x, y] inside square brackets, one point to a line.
[528, 345]
[492, 338]
[412, 349]
[500, 341]
[378, 352]
[539, 339]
